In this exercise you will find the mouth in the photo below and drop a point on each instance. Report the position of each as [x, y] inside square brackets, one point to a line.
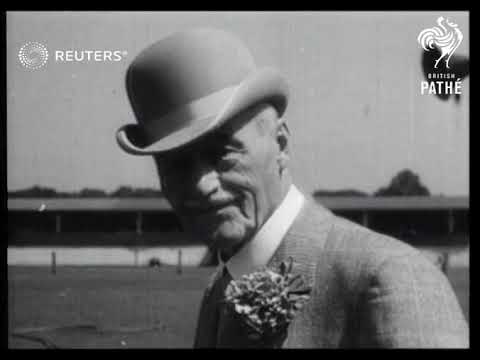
[209, 209]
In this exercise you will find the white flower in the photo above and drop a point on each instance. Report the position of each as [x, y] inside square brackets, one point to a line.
[267, 301]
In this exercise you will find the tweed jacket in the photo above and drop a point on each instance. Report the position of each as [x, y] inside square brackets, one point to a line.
[368, 290]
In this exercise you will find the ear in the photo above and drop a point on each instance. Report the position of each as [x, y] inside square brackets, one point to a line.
[283, 138]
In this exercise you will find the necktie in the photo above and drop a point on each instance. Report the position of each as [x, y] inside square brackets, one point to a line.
[220, 295]
[210, 311]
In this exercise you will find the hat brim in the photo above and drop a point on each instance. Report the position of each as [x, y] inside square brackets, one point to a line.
[263, 85]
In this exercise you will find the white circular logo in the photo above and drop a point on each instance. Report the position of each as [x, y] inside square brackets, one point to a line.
[33, 55]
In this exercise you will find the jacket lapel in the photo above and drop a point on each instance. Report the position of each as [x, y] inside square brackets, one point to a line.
[303, 241]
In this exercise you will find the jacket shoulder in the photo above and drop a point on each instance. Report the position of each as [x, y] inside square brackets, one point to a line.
[367, 245]
[350, 253]
[346, 239]
[386, 291]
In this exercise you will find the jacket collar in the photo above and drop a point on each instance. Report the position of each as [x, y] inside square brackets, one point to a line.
[305, 240]
[260, 249]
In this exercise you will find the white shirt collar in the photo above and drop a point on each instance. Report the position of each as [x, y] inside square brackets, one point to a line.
[259, 250]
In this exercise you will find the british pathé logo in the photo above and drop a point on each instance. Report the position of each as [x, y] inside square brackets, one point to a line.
[442, 73]
[447, 36]
[33, 55]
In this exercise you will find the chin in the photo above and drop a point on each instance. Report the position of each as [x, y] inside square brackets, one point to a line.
[228, 235]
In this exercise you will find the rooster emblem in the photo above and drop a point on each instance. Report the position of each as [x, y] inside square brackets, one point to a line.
[446, 37]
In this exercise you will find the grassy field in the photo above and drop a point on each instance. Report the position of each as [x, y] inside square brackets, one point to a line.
[108, 307]
[105, 306]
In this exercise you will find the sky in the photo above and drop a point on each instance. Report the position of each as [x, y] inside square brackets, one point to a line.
[356, 113]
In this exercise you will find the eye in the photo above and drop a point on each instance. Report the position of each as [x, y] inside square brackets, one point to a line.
[219, 151]
[217, 146]
[225, 150]
[215, 153]
[228, 157]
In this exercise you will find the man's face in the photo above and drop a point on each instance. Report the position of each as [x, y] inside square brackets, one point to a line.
[226, 185]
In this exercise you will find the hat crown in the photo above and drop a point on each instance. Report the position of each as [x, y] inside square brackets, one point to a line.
[185, 67]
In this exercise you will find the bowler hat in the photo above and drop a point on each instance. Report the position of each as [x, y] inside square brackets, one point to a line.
[188, 84]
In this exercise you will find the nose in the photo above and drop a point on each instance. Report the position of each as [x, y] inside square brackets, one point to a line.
[204, 177]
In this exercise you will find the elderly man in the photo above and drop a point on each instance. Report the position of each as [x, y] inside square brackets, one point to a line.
[214, 124]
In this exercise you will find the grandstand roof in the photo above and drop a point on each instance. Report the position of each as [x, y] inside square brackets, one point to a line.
[161, 204]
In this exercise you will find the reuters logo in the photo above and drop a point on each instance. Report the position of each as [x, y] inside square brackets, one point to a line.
[33, 55]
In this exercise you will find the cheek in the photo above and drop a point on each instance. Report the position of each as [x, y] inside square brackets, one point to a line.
[247, 183]
[246, 175]
[241, 182]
